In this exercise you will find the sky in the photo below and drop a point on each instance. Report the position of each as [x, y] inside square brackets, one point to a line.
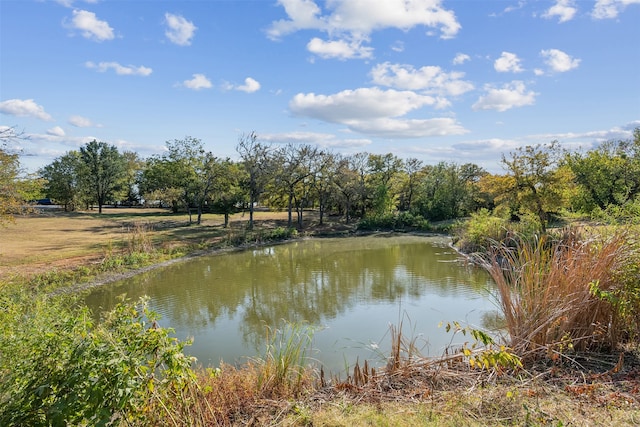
[456, 81]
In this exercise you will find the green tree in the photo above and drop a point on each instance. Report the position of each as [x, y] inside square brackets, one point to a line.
[359, 165]
[293, 176]
[194, 171]
[157, 183]
[447, 190]
[102, 171]
[63, 180]
[347, 185]
[409, 182]
[382, 170]
[324, 179]
[16, 189]
[256, 160]
[609, 174]
[10, 198]
[228, 195]
[134, 166]
[537, 185]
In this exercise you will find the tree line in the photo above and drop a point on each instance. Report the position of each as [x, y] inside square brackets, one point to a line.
[540, 181]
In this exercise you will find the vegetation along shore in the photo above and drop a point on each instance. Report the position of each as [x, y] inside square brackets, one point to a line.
[558, 232]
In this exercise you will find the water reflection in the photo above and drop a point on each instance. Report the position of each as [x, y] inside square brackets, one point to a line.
[354, 288]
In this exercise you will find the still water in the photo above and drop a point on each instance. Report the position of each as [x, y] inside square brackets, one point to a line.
[351, 289]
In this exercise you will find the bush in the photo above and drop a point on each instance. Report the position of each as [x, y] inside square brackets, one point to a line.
[401, 221]
[627, 213]
[482, 230]
[58, 368]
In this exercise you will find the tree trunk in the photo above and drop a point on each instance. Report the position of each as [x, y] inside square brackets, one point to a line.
[251, 202]
[289, 209]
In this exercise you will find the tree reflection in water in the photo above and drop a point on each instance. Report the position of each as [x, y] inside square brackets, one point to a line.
[355, 287]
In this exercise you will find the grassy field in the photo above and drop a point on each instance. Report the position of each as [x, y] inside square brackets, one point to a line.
[57, 239]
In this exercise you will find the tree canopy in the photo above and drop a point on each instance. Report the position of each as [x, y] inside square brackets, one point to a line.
[539, 181]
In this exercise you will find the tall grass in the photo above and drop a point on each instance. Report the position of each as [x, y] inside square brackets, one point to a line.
[139, 238]
[564, 294]
[283, 369]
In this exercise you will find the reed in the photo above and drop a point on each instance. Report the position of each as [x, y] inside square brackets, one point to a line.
[551, 291]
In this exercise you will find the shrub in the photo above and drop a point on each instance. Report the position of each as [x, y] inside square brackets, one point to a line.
[400, 221]
[482, 230]
[627, 213]
[58, 368]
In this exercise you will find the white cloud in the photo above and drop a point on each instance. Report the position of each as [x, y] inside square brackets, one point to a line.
[80, 122]
[508, 62]
[609, 9]
[199, 81]
[130, 70]
[492, 145]
[374, 111]
[179, 30]
[512, 8]
[56, 131]
[398, 46]
[340, 49]
[303, 14]
[565, 10]
[409, 128]
[69, 3]
[559, 61]
[250, 85]
[511, 95]
[24, 108]
[350, 22]
[90, 26]
[324, 140]
[431, 79]
[461, 58]
[358, 104]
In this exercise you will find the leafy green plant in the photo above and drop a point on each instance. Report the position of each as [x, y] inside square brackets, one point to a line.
[59, 368]
[626, 213]
[483, 352]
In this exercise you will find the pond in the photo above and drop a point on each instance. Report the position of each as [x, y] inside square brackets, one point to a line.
[351, 289]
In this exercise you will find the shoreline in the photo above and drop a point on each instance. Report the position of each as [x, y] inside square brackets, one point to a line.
[111, 277]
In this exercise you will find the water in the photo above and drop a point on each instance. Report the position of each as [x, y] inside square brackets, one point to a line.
[351, 289]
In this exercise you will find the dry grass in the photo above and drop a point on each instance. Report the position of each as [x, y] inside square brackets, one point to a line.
[547, 291]
[58, 240]
[428, 394]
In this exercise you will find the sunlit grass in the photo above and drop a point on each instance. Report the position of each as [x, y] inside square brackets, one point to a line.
[557, 294]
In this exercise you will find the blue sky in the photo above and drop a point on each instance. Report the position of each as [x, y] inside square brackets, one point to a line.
[458, 81]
